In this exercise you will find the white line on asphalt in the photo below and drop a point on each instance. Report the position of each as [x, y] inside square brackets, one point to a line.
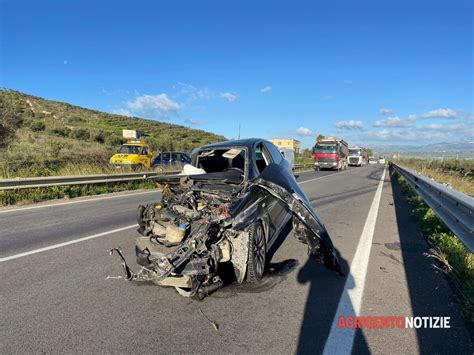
[60, 245]
[341, 340]
[78, 201]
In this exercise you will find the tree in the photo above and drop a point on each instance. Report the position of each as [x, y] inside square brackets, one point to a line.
[320, 137]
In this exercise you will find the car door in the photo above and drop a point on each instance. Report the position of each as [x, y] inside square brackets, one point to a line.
[274, 207]
[281, 184]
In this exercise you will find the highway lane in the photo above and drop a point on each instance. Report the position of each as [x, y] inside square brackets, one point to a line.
[38, 226]
[62, 299]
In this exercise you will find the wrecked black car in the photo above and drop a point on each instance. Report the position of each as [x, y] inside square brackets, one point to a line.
[226, 208]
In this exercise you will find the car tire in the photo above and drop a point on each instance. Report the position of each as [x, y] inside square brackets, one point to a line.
[138, 168]
[257, 253]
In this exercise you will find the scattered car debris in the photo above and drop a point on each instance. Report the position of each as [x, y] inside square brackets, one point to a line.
[214, 324]
[229, 210]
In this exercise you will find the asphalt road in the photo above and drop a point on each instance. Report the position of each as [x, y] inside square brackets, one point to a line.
[69, 298]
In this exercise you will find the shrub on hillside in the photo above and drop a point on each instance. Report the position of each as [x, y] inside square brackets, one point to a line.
[81, 133]
[60, 131]
[37, 126]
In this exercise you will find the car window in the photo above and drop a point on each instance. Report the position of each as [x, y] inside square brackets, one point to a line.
[165, 156]
[274, 152]
[262, 157]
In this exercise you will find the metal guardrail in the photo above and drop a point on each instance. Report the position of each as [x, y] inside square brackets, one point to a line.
[454, 208]
[26, 183]
[304, 166]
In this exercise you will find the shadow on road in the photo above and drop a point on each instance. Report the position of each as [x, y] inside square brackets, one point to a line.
[430, 295]
[326, 289]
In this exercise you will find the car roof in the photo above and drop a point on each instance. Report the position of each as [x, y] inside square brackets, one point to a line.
[248, 143]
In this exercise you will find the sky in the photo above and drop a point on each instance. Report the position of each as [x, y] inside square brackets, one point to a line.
[372, 72]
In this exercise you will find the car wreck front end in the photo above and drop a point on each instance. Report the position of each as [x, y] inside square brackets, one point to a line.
[202, 226]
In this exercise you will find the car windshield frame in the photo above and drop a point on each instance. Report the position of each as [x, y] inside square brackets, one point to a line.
[244, 148]
[128, 150]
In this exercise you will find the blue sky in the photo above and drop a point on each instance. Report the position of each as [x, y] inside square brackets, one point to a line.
[373, 72]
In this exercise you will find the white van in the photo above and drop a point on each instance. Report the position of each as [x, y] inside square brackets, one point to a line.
[289, 155]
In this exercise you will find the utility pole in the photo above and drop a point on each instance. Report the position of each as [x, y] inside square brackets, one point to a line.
[239, 131]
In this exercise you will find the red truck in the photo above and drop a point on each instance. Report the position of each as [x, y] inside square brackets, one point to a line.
[330, 153]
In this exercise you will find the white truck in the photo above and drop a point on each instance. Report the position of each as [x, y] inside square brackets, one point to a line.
[358, 156]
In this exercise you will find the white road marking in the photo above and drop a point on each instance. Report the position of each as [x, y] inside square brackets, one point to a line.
[78, 201]
[341, 340]
[60, 245]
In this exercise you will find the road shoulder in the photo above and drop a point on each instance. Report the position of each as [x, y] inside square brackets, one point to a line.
[402, 281]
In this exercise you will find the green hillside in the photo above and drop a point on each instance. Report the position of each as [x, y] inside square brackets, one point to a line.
[42, 137]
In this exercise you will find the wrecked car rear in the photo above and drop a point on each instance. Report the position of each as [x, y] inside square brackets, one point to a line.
[220, 218]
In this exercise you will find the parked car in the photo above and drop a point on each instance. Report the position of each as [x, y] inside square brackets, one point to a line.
[166, 159]
[229, 215]
[381, 159]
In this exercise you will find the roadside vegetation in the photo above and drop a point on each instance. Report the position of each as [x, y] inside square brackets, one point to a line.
[39, 194]
[459, 174]
[41, 137]
[455, 259]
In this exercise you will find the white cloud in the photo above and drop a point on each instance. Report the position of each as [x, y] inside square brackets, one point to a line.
[349, 125]
[193, 93]
[154, 106]
[327, 98]
[390, 135]
[396, 121]
[266, 89]
[441, 113]
[229, 96]
[304, 132]
[385, 111]
[122, 112]
[348, 82]
[191, 121]
[65, 62]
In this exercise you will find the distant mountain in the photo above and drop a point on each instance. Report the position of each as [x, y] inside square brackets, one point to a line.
[451, 149]
[34, 131]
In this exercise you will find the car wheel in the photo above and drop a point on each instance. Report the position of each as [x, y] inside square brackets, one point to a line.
[257, 253]
[138, 168]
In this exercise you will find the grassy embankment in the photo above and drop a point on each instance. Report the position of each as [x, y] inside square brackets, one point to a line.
[455, 258]
[41, 137]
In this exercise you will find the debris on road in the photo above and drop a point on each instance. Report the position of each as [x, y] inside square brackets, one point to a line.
[214, 324]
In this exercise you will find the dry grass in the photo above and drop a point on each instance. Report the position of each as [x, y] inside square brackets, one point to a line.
[461, 179]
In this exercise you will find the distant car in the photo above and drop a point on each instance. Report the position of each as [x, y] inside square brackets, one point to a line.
[289, 156]
[381, 159]
[166, 159]
[372, 160]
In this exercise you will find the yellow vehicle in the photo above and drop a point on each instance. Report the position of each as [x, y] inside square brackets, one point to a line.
[134, 155]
